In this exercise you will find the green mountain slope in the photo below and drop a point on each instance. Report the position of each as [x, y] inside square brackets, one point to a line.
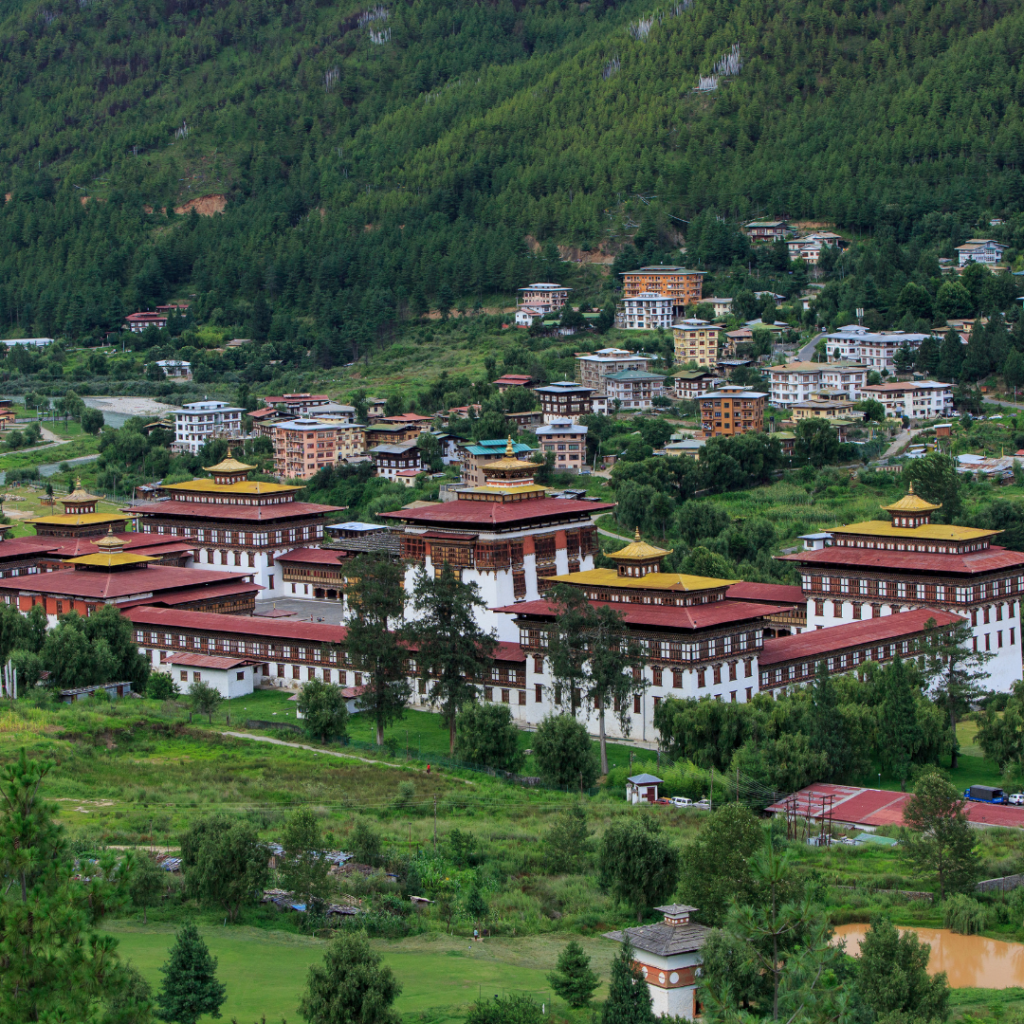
[371, 165]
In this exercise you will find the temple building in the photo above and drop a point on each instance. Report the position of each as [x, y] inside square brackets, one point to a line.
[697, 641]
[506, 536]
[882, 567]
[113, 575]
[236, 523]
[80, 518]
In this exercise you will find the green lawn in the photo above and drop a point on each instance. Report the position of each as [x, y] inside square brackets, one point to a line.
[265, 972]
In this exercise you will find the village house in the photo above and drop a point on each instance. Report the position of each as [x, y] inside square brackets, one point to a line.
[512, 380]
[682, 286]
[721, 306]
[767, 230]
[647, 312]
[543, 296]
[825, 406]
[797, 382]
[392, 459]
[138, 322]
[175, 369]
[230, 677]
[383, 432]
[298, 404]
[696, 341]
[565, 399]
[732, 410]
[527, 316]
[198, 422]
[567, 442]
[981, 250]
[689, 385]
[808, 247]
[634, 389]
[874, 569]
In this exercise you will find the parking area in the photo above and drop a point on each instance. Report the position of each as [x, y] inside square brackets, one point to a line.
[303, 609]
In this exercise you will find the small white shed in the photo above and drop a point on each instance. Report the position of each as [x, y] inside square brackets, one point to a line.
[642, 788]
[230, 677]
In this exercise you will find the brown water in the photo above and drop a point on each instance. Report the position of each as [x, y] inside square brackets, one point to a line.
[970, 961]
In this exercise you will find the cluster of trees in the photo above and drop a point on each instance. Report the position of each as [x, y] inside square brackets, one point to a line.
[834, 729]
[365, 218]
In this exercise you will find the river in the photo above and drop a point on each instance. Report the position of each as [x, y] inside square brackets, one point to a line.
[119, 408]
[970, 961]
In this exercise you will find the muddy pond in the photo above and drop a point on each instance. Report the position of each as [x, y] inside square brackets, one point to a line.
[970, 961]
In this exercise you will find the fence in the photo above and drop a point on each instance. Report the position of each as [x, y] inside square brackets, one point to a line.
[1004, 884]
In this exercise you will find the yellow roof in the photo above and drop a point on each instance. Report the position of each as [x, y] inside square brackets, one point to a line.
[510, 461]
[81, 519]
[525, 488]
[639, 551]
[242, 487]
[78, 496]
[929, 531]
[229, 465]
[110, 542]
[652, 581]
[109, 559]
[911, 502]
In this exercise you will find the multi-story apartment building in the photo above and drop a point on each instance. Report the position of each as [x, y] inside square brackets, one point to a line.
[826, 406]
[696, 341]
[304, 446]
[691, 384]
[722, 306]
[634, 389]
[732, 410]
[980, 250]
[681, 285]
[593, 367]
[916, 400]
[808, 248]
[297, 404]
[567, 442]
[565, 399]
[872, 569]
[398, 461]
[875, 349]
[647, 312]
[197, 422]
[544, 296]
[797, 382]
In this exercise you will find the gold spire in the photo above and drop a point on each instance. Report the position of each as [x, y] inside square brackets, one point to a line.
[911, 502]
[639, 551]
[110, 542]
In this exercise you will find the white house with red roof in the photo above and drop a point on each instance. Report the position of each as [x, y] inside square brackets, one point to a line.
[230, 677]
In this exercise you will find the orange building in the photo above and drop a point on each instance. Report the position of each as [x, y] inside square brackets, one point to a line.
[732, 410]
[681, 285]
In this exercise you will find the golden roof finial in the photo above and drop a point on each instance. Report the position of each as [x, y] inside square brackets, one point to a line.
[636, 535]
[509, 450]
[911, 491]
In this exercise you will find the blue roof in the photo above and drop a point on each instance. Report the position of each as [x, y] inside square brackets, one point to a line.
[490, 448]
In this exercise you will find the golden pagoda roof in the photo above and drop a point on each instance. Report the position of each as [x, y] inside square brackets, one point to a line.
[110, 542]
[639, 551]
[78, 496]
[228, 465]
[675, 581]
[927, 531]
[509, 461]
[911, 502]
[241, 487]
[81, 519]
[111, 559]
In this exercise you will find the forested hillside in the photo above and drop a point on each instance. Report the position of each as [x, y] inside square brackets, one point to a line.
[375, 161]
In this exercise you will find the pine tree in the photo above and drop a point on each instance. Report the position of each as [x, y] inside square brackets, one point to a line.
[629, 999]
[827, 732]
[190, 988]
[567, 843]
[951, 355]
[897, 723]
[573, 979]
[376, 603]
[452, 649]
[352, 986]
[638, 866]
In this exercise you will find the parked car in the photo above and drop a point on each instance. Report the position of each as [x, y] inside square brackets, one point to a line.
[663, 800]
[1017, 799]
[681, 801]
[703, 804]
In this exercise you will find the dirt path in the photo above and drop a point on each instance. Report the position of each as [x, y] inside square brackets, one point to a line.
[329, 753]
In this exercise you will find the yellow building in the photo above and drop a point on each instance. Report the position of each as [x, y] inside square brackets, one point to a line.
[826, 408]
[696, 341]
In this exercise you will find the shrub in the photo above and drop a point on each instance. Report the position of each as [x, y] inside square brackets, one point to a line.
[964, 915]
[565, 754]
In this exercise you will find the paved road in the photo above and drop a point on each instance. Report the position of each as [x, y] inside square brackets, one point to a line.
[902, 438]
[996, 401]
[806, 354]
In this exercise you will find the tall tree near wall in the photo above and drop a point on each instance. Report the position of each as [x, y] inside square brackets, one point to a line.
[376, 601]
[594, 662]
[452, 650]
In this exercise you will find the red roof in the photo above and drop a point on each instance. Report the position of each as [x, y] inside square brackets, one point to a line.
[911, 561]
[249, 513]
[205, 661]
[769, 592]
[509, 652]
[262, 414]
[874, 807]
[513, 378]
[241, 625]
[190, 594]
[20, 547]
[108, 586]
[406, 417]
[698, 616]
[298, 398]
[818, 642]
[156, 545]
[497, 513]
[316, 556]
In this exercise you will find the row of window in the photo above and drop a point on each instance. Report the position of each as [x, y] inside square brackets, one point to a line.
[914, 591]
